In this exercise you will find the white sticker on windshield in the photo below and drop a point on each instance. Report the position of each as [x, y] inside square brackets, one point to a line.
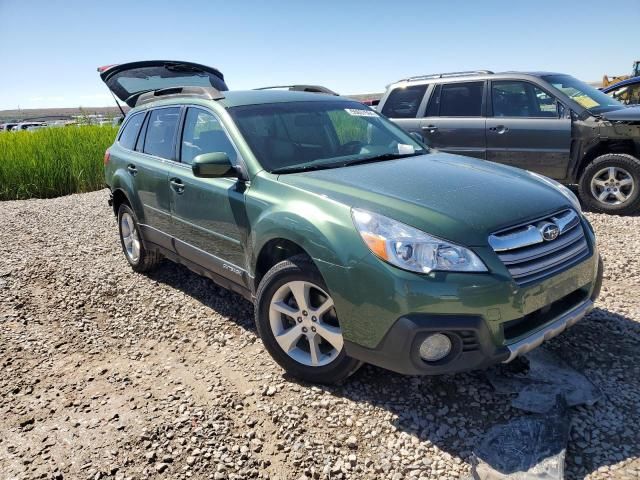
[356, 112]
[404, 149]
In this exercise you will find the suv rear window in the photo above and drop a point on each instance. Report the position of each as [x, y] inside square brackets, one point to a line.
[461, 99]
[130, 131]
[404, 102]
[161, 132]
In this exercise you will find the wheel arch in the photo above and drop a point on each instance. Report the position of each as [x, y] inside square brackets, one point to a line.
[283, 234]
[273, 252]
[123, 190]
[604, 147]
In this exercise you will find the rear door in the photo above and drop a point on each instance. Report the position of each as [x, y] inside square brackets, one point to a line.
[403, 105]
[528, 128]
[454, 120]
[128, 81]
[150, 167]
[208, 214]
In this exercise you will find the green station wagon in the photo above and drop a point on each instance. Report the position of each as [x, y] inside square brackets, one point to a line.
[354, 241]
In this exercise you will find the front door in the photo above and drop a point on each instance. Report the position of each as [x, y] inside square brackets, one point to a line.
[208, 214]
[454, 121]
[528, 129]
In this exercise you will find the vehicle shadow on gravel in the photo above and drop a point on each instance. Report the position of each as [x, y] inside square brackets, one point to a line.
[454, 412]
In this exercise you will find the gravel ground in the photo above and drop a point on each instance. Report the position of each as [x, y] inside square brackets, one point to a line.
[111, 374]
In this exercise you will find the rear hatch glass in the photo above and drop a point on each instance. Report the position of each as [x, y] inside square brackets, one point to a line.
[130, 80]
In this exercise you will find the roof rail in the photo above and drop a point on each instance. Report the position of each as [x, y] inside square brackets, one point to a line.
[208, 93]
[448, 74]
[301, 88]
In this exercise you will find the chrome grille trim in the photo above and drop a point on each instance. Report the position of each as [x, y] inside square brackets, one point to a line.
[529, 234]
[528, 260]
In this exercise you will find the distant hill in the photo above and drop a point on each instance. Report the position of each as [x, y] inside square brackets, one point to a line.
[56, 113]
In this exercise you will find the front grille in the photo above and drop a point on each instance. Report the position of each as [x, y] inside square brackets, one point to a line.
[530, 253]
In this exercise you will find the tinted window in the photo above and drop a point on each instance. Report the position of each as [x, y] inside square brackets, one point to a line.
[130, 131]
[203, 134]
[404, 102]
[461, 99]
[161, 131]
[521, 99]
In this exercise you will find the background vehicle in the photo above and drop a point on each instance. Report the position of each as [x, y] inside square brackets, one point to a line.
[635, 72]
[548, 123]
[20, 127]
[354, 243]
[626, 91]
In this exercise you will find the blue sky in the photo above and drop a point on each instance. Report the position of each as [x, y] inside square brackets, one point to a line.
[49, 50]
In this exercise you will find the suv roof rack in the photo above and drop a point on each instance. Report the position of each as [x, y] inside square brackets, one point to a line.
[208, 93]
[301, 88]
[447, 74]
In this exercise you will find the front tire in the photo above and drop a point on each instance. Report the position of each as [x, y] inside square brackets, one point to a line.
[297, 322]
[140, 259]
[611, 184]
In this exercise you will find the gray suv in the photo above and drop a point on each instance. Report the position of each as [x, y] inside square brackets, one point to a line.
[549, 123]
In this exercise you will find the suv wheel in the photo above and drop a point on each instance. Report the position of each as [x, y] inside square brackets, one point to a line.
[611, 184]
[140, 259]
[297, 322]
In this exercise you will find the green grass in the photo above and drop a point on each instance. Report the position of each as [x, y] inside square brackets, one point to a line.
[53, 161]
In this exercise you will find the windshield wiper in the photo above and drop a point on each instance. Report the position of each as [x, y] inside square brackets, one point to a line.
[380, 158]
[358, 161]
[306, 168]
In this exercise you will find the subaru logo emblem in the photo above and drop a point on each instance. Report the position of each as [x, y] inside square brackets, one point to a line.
[549, 231]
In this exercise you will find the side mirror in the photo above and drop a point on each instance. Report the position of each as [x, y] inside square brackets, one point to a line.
[213, 165]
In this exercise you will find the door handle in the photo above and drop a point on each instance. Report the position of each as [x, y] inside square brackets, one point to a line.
[177, 185]
[500, 129]
[430, 128]
[132, 169]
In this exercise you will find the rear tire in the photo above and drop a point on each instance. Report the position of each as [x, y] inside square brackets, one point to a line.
[140, 259]
[611, 184]
[296, 320]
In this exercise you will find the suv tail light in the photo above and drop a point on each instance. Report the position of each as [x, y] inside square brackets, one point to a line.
[107, 157]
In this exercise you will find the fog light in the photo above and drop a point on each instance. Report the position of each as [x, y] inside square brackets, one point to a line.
[435, 347]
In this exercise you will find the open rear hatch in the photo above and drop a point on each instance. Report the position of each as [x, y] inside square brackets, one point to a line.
[128, 81]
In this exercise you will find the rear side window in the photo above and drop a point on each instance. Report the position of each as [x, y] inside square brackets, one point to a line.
[461, 99]
[204, 134]
[130, 131]
[404, 102]
[161, 132]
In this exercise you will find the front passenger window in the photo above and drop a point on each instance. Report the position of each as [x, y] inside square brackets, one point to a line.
[521, 99]
[204, 134]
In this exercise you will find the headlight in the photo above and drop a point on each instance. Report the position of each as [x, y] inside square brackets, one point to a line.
[564, 190]
[411, 249]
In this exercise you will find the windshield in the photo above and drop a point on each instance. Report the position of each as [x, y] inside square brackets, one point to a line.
[296, 136]
[587, 96]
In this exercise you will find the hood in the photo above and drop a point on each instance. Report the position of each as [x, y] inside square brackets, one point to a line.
[128, 81]
[629, 114]
[453, 197]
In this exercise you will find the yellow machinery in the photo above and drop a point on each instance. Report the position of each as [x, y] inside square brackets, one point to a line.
[635, 72]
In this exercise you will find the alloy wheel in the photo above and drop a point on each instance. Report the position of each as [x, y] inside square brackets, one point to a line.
[130, 237]
[304, 323]
[612, 185]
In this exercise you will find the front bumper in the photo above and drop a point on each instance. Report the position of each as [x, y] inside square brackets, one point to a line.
[473, 343]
